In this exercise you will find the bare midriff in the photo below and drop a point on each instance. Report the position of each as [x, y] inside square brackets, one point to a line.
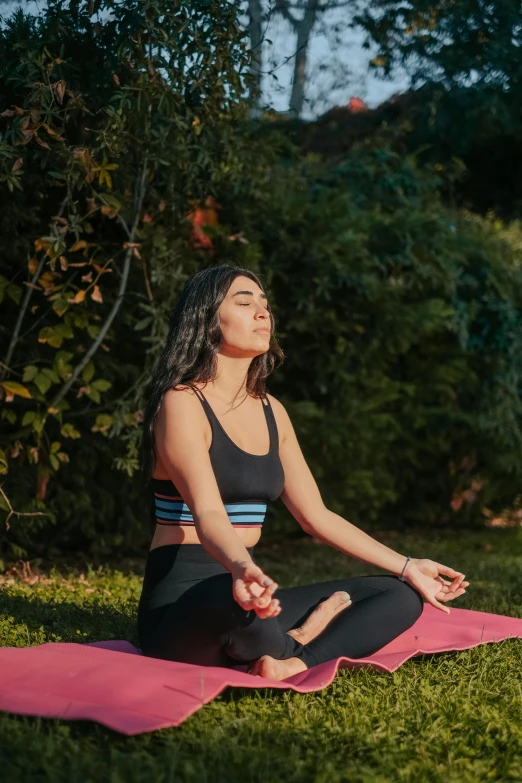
[182, 534]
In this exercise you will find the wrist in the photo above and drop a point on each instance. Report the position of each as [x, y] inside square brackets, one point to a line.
[408, 568]
[237, 568]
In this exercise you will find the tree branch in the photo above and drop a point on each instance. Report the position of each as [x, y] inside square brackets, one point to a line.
[20, 513]
[283, 7]
[139, 197]
[25, 305]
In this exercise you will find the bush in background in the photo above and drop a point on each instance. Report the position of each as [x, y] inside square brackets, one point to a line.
[123, 169]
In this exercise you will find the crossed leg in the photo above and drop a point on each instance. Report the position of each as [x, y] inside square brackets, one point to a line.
[205, 625]
[382, 608]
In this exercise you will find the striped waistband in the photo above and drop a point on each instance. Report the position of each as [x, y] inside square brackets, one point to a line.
[171, 510]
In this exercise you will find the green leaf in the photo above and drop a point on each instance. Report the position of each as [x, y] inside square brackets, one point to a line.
[38, 424]
[88, 371]
[64, 330]
[64, 356]
[51, 336]
[51, 374]
[94, 394]
[42, 382]
[111, 200]
[10, 415]
[101, 384]
[103, 423]
[14, 292]
[143, 323]
[61, 364]
[28, 417]
[30, 372]
[69, 431]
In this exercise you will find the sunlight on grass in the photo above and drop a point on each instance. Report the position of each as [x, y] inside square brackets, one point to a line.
[450, 717]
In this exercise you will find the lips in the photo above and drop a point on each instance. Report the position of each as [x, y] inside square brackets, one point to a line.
[262, 331]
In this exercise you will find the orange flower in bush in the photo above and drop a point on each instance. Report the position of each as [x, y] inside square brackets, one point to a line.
[202, 216]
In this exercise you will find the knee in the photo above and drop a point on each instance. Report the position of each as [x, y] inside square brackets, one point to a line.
[408, 598]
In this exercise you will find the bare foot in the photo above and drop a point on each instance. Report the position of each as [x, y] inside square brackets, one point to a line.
[320, 617]
[273, 669]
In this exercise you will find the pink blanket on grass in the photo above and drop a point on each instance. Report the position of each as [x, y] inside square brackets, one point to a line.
[110, 682]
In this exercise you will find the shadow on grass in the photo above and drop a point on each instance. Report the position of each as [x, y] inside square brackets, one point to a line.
[69, 621]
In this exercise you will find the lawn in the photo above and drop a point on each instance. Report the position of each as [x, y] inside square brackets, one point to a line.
[451, 717]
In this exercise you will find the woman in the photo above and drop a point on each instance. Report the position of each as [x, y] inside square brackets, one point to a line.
[213, 466]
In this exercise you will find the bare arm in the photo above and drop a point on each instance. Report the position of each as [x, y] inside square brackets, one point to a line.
[302, 498]
[180, 442]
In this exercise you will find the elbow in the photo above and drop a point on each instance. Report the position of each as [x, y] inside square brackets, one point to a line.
[315, 520]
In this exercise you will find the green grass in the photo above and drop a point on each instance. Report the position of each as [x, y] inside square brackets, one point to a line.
[451, 717]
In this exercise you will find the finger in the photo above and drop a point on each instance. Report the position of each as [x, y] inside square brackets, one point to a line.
[268, 590]
[434, 602]
[242, 594]
[457, 576]
[449, 587]
[444, 586]
[245, 596]
[251, 604]
[263, 580]
[253, 573]
[263, 601]
[455, 584]
[267, 593]
[447, 570]
[272, 610]
[451, 595]
[456, 594]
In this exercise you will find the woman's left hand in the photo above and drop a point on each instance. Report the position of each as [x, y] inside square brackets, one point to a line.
[448, 589]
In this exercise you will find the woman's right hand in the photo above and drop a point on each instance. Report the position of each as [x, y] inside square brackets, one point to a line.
[253, 589]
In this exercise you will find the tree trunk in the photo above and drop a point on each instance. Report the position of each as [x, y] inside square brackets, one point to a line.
[303, 29]
[256, 64]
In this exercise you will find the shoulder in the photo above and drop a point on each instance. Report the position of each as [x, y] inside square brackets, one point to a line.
[180, 398]
[181, 387]
[281, 416]
[181, 411]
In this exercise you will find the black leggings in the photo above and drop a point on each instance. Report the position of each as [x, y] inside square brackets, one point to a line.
[187, 613]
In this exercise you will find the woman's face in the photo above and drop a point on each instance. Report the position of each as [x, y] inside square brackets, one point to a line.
[244, 319]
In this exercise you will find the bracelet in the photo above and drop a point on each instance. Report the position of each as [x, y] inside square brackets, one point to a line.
[405, 564]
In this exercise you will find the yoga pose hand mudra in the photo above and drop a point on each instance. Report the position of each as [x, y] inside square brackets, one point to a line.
[212, 462]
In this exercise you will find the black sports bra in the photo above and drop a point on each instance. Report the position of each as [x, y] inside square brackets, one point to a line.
[246, 482]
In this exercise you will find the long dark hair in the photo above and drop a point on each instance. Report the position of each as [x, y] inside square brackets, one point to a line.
[189, 354]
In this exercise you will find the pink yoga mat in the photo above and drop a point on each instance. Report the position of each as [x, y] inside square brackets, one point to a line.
[111, 683]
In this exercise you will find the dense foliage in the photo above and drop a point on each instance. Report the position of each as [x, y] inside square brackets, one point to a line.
[463, 59]
[401, 323]
[126, 163]
[117, 120]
